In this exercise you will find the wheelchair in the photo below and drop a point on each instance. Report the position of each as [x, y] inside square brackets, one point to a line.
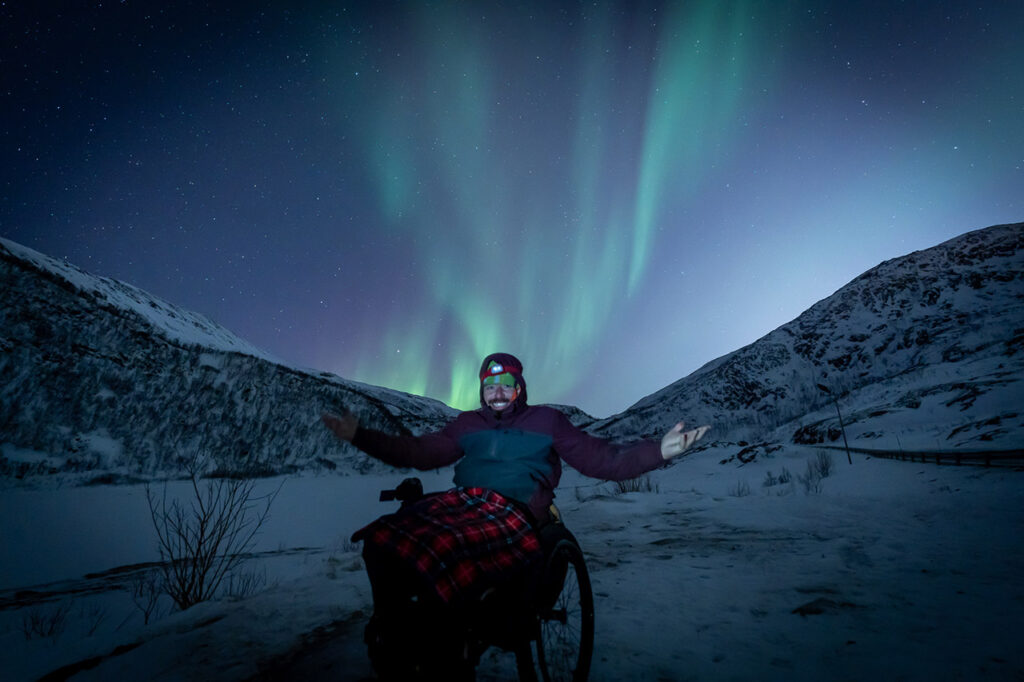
[544, 617]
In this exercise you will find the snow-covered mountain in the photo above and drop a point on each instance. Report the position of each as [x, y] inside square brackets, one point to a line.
[101, 381]
[923, 352]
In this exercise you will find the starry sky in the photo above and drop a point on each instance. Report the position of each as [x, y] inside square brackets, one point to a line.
[616, 192]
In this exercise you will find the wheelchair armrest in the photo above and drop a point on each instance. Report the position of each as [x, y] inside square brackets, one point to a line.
[409, 490]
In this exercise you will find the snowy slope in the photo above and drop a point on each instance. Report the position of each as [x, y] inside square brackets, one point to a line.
[887, 571]
[923, 353]
[178, 325]
[101, 381]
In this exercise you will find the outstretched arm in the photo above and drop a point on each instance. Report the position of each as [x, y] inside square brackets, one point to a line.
[428, 451]
[599, 458]
[677, 441]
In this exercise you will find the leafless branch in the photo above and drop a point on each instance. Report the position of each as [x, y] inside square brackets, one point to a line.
[204, 541]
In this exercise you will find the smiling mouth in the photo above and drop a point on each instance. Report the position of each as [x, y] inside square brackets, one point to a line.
[499, 404]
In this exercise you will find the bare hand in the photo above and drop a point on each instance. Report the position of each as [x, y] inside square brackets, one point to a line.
[344, 426]
[677, 441]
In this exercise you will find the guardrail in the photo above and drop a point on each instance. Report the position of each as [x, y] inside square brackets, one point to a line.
[1010, 458]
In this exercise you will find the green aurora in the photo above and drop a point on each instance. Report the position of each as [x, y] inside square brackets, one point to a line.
[552, 207]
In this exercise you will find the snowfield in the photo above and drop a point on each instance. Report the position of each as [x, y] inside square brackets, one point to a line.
[885, 570]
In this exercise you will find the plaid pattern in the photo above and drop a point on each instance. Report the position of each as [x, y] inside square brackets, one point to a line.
[460, 541]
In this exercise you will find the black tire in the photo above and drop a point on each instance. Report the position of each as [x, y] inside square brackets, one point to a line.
[565, 641]
[525, 669]
[414, 648]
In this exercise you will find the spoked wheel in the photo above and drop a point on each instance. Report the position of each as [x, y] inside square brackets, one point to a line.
[565, 640]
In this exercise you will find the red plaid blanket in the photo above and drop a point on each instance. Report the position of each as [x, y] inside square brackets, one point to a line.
[460, 541]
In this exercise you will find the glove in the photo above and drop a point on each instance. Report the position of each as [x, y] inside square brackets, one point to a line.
[677, 441]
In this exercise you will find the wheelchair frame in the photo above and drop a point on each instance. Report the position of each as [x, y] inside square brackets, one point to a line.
[548, 625]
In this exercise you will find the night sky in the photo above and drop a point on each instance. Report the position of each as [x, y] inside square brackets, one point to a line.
[615, 192]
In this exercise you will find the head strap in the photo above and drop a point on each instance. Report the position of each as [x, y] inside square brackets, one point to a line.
[497, 373]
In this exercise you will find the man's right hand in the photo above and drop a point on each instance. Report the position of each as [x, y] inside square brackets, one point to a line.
[344, 427]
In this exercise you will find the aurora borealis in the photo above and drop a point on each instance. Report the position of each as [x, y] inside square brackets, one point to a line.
[616, 192]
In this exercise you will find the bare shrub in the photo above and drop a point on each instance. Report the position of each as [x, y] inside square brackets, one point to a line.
[93, 617]
[347, 546]
[824, 465]
[202, 543]
[146, 589]
[741, 489]
[643, 484]
[811, 479]
[45, 622]
[241, 584]
[783, 478]
[818, 468]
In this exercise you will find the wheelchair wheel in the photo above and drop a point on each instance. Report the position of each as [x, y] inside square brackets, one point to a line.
[565, 639]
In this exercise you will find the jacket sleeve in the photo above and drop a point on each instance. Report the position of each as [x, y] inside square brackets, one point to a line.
[429, 451]
[600, 458]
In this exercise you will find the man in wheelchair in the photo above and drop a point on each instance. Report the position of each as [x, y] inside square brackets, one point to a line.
[451, 551]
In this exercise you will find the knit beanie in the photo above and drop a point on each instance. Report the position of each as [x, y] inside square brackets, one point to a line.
[496, 368]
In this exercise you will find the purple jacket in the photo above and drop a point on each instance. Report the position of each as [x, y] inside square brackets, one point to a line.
[517, 453]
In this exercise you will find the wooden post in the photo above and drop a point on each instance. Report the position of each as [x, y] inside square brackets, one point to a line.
[842, 427]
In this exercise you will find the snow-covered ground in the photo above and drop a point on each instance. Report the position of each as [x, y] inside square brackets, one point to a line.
[889, 570]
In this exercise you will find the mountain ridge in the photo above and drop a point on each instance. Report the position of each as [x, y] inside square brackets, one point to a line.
[931, 320]
[103, 382]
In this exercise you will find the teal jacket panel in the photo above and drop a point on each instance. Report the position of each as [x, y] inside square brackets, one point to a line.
[509, 461]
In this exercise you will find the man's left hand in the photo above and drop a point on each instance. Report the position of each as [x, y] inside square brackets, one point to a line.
[677, 441]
